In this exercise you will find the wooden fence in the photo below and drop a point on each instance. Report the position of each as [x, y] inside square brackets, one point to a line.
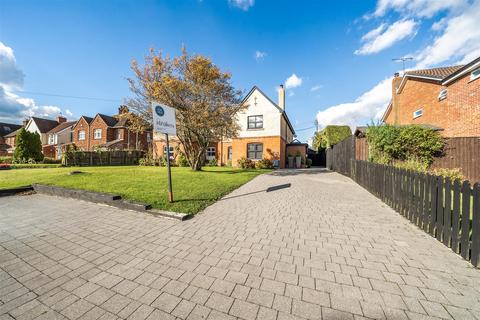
[103, 158]
[448, 211]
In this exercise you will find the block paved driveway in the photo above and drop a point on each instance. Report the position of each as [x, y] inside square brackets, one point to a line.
[323, 248]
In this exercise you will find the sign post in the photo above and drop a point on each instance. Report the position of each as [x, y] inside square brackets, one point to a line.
[164, 122]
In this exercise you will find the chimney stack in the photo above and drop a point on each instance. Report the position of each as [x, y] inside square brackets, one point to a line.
[395, 99]
[281, 97]
[61, 119]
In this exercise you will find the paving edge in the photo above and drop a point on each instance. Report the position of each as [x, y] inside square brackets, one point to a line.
[14, 191]
[110, 199]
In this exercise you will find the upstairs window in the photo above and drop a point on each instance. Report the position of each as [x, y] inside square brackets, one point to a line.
[442, 95]
[417, 113]
[97, 134]
[81, 135]
[255, 151]
[51, 139]
[475, 74]
[255, 122]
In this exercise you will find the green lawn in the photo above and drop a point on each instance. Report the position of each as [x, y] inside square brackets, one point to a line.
[192, 191]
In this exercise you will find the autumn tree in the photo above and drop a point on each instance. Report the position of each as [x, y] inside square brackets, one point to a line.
[135, 123]
[205, 101]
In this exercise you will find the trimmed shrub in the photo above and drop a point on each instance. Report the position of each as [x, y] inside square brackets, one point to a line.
[330, 136]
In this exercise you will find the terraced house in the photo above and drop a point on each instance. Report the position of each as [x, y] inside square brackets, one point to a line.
[265, 132]
[446, 98]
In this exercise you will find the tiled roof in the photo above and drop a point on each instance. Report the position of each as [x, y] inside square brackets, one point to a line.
[7, 128]
[44, 125]
[122, 121]
[437, 73]
[88, 119]
[62, 126]
[110, 121]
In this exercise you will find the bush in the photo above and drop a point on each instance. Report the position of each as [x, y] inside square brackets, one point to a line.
[309, 163]
[452, 174]
[264, 164]
[8, 160]
[147, 161]
[330, 136]
[412, 164]
[47, 160]
[212, 163]
[28, 146]
[229, 163]
[415, 143]
[182, 160]
[245, 163]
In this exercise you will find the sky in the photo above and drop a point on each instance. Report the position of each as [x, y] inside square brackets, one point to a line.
[334, 57]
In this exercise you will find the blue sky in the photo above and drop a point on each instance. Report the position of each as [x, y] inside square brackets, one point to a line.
[337, 54]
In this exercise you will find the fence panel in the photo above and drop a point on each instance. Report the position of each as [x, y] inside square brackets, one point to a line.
[465, 234]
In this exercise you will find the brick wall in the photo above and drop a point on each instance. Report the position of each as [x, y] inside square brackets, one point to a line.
[462, 116]
[458, 114]
[272, 147]
[81, 144]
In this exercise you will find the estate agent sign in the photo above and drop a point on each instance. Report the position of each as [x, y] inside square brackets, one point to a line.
[164, 122]
[164, 119]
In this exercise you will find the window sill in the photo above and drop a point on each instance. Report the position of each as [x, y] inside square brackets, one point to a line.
[255, 129]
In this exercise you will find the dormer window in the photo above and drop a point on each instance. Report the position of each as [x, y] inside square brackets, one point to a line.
[255, 122]
[442, 95]
[475, 74]
[417, 113]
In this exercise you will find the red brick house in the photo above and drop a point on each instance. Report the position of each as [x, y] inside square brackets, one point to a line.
[107, 132]
[446, 98]
[7, 129]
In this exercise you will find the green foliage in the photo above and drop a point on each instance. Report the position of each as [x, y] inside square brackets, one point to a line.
[28, 146]
[330, 136]
[452, 174]
[412, 164]
[309, 163]
[182, 161]
[47, 160]
[412, 143]
[8, 160]
[245, 163]
[264, 164]
[212, 163]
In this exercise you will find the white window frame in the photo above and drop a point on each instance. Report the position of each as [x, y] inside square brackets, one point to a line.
[95, 136]
[475, 74]
[51, 139]
[417, 113]
[119, 134]
[211, 153]
[442, 95]
[81, 135]
[229, 153]
[257, 122]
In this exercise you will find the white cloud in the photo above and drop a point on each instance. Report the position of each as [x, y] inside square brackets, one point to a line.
[68, 112]
[242, 4]
[316, 87]
[418, 8]
[11, 77]
[459, 40]
[260, 55]
[293, 82]
[378, 39]
[369, 106]
[374, 32]
[14, 108]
